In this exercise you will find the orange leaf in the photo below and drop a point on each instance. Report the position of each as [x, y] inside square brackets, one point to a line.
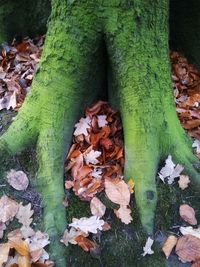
[24, 261]
[20, 246]
[85, 243]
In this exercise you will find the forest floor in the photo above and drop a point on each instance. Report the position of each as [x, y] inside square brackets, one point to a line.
[121, 245]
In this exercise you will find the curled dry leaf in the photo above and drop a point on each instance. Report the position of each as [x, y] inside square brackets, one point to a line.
[183, 181]
[188, 248]
[169, 244]
[124, 214]
[17, 179]
[187, 213]
[8, 208]
[118, 192]
[85, 243]
[20, 246]
[97, 207]
[24, 261]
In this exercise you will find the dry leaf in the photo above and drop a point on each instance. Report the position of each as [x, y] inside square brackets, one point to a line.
[131, 185]
[4, 248]
[38, 240]
[147, 248]
[69, 236]
[36, 254]
[169, 244]
[170, 170]
[101, 120]
[27, 231]
[188, 248]
[17, 179]
[85, 243]
[15, 234]
[187, 213]
[189, 230]
[19, 245]
[8, 208]
[183, 181]
[124, 214]
[117, 192]
[24, 261]
[24, 214]
[12, 261]
[97, 207]
[88, 225]
[91, 157]
[82, 126]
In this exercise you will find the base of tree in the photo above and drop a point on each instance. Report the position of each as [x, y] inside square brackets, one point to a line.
[122, 245]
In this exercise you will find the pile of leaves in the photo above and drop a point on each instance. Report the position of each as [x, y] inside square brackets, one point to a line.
[186, 84]
[24, 246]
[94, 167]
[18, 64]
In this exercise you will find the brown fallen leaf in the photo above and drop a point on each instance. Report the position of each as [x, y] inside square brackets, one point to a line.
[85, 243]
[8, 208]
[169, 245]
[4, 248]
[39, 264]
[118, 193]
[124, 214]
[24, 261]
[187, 213]
[188, 248]
[97, 207]
[183, 181]
[17, 179]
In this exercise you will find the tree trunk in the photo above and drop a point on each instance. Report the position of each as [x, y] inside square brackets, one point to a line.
[71, 76]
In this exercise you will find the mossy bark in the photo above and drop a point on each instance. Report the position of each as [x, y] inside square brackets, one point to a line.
[71, 76]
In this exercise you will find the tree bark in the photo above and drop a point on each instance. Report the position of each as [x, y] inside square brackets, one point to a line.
[71, 76]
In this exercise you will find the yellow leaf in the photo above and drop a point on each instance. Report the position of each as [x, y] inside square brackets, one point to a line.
[20, 246]
[131, 185]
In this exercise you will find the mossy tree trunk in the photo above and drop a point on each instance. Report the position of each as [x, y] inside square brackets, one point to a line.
[71, 76]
